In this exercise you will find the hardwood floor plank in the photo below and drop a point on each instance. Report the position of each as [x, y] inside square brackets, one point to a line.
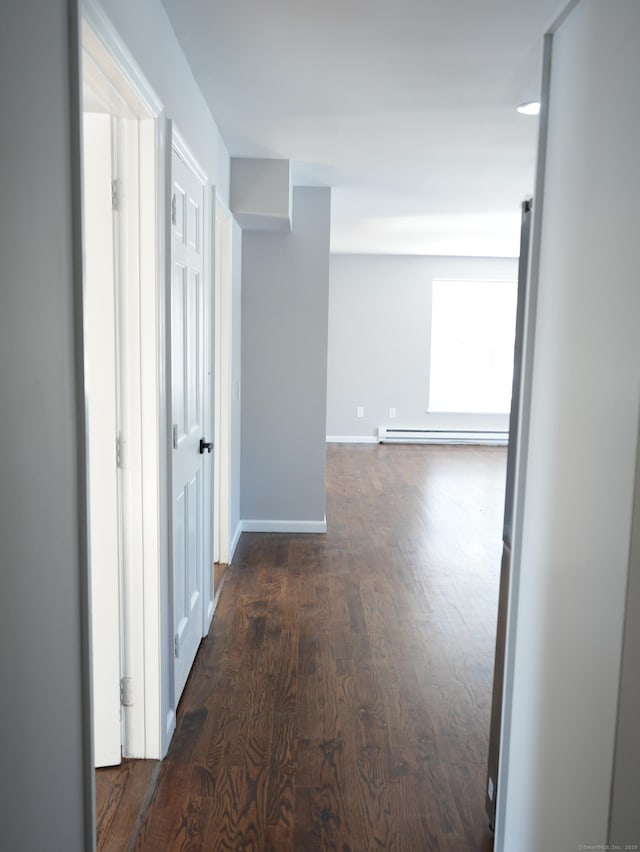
[166, 831]
[282, 766]
[121, 792]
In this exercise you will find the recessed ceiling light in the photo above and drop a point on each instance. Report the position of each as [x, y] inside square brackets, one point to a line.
[530, 108]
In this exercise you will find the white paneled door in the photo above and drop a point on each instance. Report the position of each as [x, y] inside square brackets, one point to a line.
[191, 448]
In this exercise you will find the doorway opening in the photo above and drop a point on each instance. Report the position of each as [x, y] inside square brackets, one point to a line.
[122, 242]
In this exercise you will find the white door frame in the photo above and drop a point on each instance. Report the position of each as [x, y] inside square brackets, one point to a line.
[222, 384]
[149, 719]
[102, 381]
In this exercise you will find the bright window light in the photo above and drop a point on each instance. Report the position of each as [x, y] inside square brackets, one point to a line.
[530, 108]
[472, 337]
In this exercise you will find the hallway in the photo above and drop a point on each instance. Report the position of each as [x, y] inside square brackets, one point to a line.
[342, 698]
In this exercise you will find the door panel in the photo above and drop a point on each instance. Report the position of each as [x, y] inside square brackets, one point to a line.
[187, 373]
[194, 353]
[178, 389]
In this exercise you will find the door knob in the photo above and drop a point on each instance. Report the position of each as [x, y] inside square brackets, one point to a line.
[204, 445]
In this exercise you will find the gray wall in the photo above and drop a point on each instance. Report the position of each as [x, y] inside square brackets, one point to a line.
[45, 771]
[285, 289]
[379, 340]
[574, 517]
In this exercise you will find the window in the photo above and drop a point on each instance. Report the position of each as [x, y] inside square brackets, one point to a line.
[472, 337]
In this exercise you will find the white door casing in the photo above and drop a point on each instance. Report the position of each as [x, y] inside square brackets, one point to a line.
[188, 328]
[128, 258]
[209, 405]
[102, 426]
[223, 382]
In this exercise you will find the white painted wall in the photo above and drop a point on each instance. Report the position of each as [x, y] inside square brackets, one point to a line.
[145, 29]
[379, 340]
[285, 292]
[573, 520]
[46, 774]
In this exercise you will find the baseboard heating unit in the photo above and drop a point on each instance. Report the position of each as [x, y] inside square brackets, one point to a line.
[387, 435]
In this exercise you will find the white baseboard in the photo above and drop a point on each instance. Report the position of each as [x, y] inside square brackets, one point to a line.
[285, 526]
[475, 437]
[169, 730]
[234, 541]
[216, 597]
[210, 610]
[351, 439]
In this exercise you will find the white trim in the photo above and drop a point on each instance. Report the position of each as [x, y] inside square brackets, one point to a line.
[109, 38]
[208, 616]
[154, 473]
[214, 602]
[222, 367]
[217, 597]
[285, 526]
[473, 437]
[216, 368]
[218, 592]
[234, 541]
[184, 152]
[209, 396]
[165, 614]
[351, 439]
[129, 171]
[170, 724]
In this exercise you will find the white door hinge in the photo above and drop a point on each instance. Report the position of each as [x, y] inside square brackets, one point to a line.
[176, 645]
[173, 209]
[126, 691]
[120, 451]
[114, 194]
[174, 436]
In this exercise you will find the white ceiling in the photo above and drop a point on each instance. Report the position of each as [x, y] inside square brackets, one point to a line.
[405, 107]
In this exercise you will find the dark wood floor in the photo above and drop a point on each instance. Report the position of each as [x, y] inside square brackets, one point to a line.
[342, 698]
[122, 797]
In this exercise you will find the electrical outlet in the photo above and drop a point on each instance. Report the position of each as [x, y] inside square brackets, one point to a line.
[392, 413]
[360, 411]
